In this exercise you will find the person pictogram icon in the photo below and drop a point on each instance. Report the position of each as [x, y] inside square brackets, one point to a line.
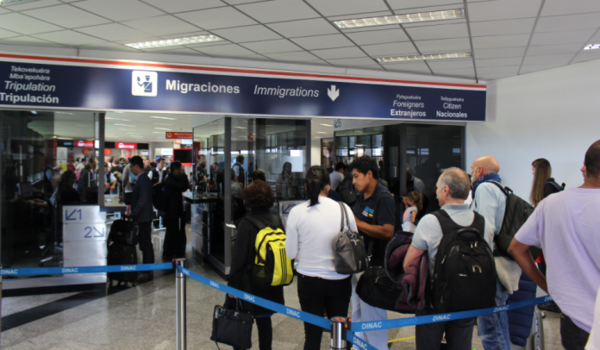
[147, 85]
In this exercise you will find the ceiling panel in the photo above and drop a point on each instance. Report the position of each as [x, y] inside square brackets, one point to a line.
[440, 31]
[498, 62]
[225, 50]
[538, 67]
[379, 36]
[162, 25]
[505, 9]
[491, 42]
[33, 5]
[110, 46]
[497, 72]
[506, 27]
[347, 7]
[246, 34]
[347, 52]
[294, 29]
[440, 46]
[278, 11]
[567, 37]
[548, 59]
[116, 32]
[419, 67]
[272, 46]
[353, 62]
[561, 7]
[361, 15]
[7, 33]
[583, 56]
[300, 56]
[456, 72]
[66, 16]
[571, 22]
[323, 42]
[391, 49]
[25, 40]
[17, 22]
[118, 10]
[222, 17]
[411, 4]
[499, 52]
[450, 64]
[554, 49]
[174, 6]
[69, 37]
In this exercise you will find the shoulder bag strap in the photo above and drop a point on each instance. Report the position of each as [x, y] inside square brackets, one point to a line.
[344, 217]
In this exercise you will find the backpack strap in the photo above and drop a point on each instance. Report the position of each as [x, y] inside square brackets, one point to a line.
[259, 224]
[448, 225]
[555, 185]
[504, 190]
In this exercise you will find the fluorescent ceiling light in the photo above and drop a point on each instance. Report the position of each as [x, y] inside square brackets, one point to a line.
[162, 129]
[320, 132]
[399, 19]
[167, 118]
[158, 132]
[123, 120]
[437, 56]
[592, 47]
[326, 125]
[175, 42]
[125, 125]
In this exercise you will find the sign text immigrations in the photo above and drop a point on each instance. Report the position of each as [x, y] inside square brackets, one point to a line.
[113, 85]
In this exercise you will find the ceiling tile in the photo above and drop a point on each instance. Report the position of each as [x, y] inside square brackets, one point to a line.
[499, 52]
[461, 72]
[571, 22]
[2, 11]
[549, 59]
[441, 31]
[440, 46]
[110, 46]
[7, 33]
[119, 10]
[567, 37]
[390, 49]
[538, 67]
[180, 50]
[174, 6]
[114, 32]
[69, 37]
[450, 64]
[66, 16]
[379, 36]
[25, 40]
[561, 7]
[244, 34]
[508, 70]
[412, 4]
[346, 52]
[17, 22]
[572, 49]
[272, 46]
[278, 11]
[492, 42]
[347, 7]
[295, 29]
[353, 62]
[361, 15]
[323, 42]
[33, 5]
[505, 27]
[223, 17]
[587, 56]
[225, 50]
[161, 25]
[498, 62]
[239, 2]
[300, 56]
[505, 9]
[419, 67]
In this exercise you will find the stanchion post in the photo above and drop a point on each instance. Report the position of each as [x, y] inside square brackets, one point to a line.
[180, 306]
[338, 334]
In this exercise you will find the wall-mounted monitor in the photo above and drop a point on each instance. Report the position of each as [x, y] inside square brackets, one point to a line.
[184, 156]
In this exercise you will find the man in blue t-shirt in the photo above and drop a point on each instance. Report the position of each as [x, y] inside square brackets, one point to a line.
[375, 213]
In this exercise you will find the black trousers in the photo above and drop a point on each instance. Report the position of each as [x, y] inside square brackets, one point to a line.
[145, 241]
[265, 333]
[572, 337]
[175, 239]
[319, 296]
[459, 333]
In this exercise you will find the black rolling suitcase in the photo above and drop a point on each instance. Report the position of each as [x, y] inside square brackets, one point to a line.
[122, 241]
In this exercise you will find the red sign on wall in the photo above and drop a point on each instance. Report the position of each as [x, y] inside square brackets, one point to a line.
[122, 145]
[178, 135]
[82, 144]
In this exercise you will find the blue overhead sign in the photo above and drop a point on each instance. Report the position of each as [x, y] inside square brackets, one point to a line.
[115, 85]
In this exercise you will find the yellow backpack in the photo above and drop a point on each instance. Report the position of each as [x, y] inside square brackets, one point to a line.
[272, 267]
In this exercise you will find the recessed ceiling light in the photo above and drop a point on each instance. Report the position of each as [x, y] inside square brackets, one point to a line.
[109, 118]
[161, 124]
[437, 56]
[399, 19]
[167, 118]
[175, 42]
[125, 125]
[592, 47]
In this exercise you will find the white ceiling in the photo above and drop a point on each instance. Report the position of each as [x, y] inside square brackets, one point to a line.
[506, 37]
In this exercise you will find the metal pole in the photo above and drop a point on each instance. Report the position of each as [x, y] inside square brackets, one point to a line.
[180, 306]
[338, 338]
[0, 306]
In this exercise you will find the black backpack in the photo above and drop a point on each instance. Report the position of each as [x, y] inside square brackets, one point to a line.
[159, 196]
[464, 274]
[347, 191]
[517, 211]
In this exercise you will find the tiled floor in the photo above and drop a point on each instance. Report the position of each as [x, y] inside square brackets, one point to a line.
[143, 317]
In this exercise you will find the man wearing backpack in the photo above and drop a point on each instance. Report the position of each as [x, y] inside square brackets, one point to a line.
[452, 189]
[175, 184]
[490, 201]
[375, 214]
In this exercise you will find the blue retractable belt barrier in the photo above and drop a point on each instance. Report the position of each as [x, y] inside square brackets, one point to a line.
[83, 269]
[267, 304]
[413, 321]
[358, 343]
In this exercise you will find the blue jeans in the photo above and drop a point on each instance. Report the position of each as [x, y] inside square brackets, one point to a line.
[493, 329]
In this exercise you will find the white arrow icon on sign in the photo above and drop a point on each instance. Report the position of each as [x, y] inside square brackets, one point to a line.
[333, 93]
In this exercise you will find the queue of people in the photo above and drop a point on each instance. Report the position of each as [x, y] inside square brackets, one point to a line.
[562, 225]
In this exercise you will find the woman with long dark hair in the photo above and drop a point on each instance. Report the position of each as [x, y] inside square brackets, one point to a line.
[312, 227]
[543, 183]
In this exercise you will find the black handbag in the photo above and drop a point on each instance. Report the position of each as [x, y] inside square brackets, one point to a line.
[232, 327]
[377, 289]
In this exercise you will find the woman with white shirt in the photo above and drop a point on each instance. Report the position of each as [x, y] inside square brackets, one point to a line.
[310, 231]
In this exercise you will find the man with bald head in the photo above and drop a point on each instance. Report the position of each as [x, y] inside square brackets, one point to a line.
[490, 201]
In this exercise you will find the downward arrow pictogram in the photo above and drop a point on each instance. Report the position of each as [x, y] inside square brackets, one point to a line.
[333, 93]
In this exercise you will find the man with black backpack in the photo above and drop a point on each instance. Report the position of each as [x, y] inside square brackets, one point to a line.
[489, 200]
[375, 214]
[175, 184]
[454, 227]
